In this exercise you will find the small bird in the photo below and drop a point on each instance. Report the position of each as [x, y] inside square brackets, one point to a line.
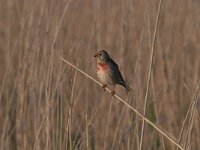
[108, 71]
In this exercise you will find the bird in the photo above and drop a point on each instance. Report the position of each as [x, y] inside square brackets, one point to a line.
[108, 71]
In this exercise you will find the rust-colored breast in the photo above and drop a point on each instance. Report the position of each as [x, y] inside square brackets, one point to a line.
[102, 66]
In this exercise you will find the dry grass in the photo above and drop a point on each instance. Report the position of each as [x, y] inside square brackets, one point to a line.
[46, 104]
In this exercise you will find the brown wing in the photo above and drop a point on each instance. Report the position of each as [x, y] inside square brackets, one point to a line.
[115, 73]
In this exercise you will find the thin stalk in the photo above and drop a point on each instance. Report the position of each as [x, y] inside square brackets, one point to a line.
[161, 131]
[109, 113]
[149, 74]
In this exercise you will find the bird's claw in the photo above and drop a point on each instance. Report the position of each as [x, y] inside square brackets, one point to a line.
[113, 93]
[104, 87]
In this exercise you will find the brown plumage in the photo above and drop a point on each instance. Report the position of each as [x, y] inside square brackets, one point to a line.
[108, 71]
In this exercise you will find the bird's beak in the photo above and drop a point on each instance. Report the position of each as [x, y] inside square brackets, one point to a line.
[95, 55]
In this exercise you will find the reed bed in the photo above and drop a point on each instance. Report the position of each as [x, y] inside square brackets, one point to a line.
[50, 97]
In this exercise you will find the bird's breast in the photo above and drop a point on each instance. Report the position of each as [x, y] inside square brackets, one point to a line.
[102, 67]
[103, 72]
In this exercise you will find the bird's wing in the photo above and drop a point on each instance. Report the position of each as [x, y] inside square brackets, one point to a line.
[116, 73]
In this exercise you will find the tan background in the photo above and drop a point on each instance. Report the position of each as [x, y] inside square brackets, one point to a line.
[36, 88]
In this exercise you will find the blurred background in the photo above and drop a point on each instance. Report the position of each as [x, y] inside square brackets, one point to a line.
[46, 104]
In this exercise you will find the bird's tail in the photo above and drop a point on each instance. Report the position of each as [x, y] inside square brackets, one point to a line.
[128, 88]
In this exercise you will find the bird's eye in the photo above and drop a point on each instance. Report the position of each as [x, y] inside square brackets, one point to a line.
[100, 54]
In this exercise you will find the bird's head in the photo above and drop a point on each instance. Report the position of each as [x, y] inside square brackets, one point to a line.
[102, 56]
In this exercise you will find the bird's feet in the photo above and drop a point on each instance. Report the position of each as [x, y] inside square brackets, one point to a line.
[104, 87]
[113, 93]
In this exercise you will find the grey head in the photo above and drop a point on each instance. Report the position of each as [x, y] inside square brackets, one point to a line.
[102, 56]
